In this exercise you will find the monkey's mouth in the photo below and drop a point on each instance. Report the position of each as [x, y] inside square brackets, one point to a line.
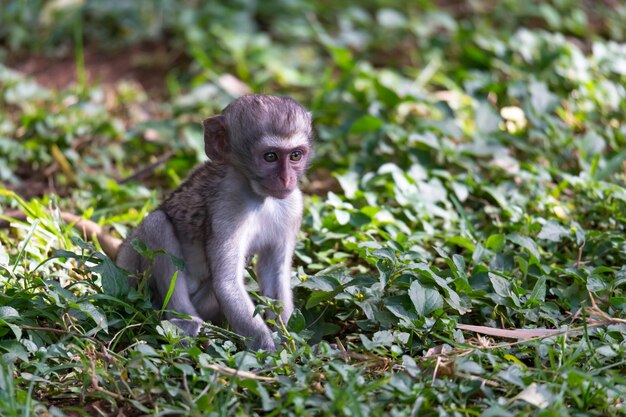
[279, 194]
[267, 190]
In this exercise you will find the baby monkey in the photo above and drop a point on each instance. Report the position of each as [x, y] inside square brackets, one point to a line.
[245, 201]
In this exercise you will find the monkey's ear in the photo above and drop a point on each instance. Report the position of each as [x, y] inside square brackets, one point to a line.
[216, 138]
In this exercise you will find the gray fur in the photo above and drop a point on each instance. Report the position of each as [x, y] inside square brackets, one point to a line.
[217, 220]
[281, 117]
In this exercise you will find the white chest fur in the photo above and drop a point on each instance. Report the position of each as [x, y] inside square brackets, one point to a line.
[269, 222]
[251, 226]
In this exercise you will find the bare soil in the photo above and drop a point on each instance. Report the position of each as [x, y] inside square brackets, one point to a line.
[146, 64]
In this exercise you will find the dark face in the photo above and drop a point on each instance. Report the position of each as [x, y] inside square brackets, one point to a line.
[278, 166]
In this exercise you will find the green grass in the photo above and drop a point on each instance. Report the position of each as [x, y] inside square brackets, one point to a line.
[469, 170]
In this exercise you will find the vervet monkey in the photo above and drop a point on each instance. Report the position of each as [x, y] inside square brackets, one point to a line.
[245, 201]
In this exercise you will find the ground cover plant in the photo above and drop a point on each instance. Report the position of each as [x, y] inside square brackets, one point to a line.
[463, 250]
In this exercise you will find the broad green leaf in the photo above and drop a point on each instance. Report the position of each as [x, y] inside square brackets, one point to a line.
[366, 123]
[297, 322]
[595, 283]
[537, 395]
[321, 282]
[479, 254]
[553, 231]
[349, 183]
[410, 366]
[342, 56]
[459, 264]
[470, 367]
[496, 242]
[319, 297]
[620, 277]
[541, 99]
[383, 338]
[487, 119]
[501, 285]
[8, 312]
[425, 300]
[17, 331]
[527, 243]
[114, 280]
[92, 311]
[452, 297]
[606, 351]
[343, 217]
[461, 241]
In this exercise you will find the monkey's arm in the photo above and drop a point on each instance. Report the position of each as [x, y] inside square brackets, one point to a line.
[227, 261]
[273, 270]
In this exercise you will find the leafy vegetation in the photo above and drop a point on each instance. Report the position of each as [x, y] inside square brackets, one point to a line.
[470, 171]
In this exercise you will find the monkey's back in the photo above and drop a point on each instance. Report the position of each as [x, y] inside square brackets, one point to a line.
[189, 206]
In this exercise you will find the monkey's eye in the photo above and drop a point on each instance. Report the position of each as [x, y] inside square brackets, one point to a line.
[270, 157]
[296, 155]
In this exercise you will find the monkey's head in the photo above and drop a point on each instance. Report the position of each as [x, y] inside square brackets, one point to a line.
[266, 138]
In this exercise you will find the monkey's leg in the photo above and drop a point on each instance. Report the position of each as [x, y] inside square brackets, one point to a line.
[157, 233]
[230, 291]
[273, 269]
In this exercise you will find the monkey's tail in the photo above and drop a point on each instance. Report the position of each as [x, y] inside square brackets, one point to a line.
[110, 244]
[91, 230]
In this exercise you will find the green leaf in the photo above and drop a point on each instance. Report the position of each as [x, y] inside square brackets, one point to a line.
[322, 282]
[139, 246]
[539, 290]
[61, 253]
[343, 217]
[362, 281]
[342, 57]
[620, 277]
[170, 290]
[541, 99]
[383, 338]
[365, 124]
[595, 283]
[501, 285]
[487, 120]
[453, 299]
[613, 165]
[297, 322]
[319, 297]
[496, 242]
[462, 242]
[479, 254]
[114, 280]
[349, 182]
[8, 312]
[527, 243]
[553, 231]
[425, 300]
[95, 314]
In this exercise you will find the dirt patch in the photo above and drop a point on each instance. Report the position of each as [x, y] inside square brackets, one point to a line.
[147, 64]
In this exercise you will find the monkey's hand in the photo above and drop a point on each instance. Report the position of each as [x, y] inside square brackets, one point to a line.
[191, 326]
[263, 341]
